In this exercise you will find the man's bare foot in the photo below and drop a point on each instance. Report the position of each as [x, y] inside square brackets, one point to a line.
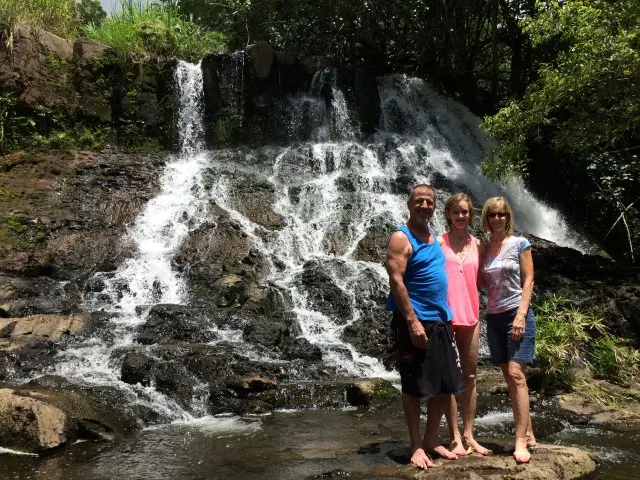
[522, 455]
[476, 447]
[457, 448]
[442, 452]
[420, 459]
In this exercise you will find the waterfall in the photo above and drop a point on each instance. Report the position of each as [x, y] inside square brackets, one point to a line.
[332, 189]
[148, 278]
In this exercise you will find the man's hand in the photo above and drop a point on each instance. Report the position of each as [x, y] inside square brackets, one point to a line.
[418, 334]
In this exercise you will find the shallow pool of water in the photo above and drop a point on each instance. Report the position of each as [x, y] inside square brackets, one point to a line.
[291, 445]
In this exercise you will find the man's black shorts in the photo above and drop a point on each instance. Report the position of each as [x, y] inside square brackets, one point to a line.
[428, 372]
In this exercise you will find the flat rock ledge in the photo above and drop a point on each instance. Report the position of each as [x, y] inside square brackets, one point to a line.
[582, 410]
[548, 462]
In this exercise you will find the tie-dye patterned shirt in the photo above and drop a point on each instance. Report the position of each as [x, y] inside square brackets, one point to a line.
[503, 276]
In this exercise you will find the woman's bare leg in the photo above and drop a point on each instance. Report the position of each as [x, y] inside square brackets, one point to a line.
[468, 340]
[514, 374]
[451, 414]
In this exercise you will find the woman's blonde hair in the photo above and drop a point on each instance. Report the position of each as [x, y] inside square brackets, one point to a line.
[495, 204]
[455, 199]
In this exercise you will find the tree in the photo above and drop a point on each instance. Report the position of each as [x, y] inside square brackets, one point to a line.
[582, 116]
[90, 12]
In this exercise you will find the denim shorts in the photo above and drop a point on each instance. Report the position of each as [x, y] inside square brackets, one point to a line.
[502, 347]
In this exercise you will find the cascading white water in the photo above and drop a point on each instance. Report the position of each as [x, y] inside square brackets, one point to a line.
[148, 278]
[437, 136]
[333, 189]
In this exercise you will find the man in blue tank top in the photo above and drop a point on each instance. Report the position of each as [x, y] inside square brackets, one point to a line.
[421, 325]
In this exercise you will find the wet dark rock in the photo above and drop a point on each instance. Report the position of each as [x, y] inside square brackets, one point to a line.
[301, 348]
[136, 368]
[373, 247]
[589, 281]
[324, 295]
[336, 393]
[174, 380]
[254, 196]
[76, 213]
[265, 332]
[370, 334]
[176, 323]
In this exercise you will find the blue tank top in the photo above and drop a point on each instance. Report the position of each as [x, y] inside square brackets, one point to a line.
[426, 280]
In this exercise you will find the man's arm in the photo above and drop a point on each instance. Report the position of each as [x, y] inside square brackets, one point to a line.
[398, 253]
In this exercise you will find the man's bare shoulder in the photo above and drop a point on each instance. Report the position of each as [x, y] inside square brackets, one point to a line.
[399, 243]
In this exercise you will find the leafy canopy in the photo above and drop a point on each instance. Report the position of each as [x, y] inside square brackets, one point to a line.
[584, 107]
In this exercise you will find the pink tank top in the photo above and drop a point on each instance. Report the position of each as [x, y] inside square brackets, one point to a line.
[462, 274]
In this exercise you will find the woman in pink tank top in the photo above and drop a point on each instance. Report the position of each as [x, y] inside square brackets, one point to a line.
[463, 253]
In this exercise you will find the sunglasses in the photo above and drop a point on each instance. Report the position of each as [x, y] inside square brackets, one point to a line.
[497, 214]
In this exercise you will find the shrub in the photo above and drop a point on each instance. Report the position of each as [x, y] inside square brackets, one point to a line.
[612, 358]
[563, 337]
[156, 29]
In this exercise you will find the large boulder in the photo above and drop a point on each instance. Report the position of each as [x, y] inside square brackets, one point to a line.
[36, 419]
[31, 425]
[549, 462]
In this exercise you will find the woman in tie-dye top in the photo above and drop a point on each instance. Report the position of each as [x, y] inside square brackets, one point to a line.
[511, 326]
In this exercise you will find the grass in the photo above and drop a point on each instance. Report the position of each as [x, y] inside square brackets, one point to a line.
[55, 16]
[144, 28]
[140, 28]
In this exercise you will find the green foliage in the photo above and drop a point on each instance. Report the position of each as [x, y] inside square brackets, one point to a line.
[569, 338]
[90, 12]
[13, 127]
[16, 226]
[55, 16]
[563, 336]
[450, 41]
[612, 358]
[149, 28]
[584, 108]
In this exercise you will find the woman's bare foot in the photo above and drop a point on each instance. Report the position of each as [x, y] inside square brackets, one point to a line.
[457, 448]
[522, 455]
[442, 452]
[476, 447]
[510, 447]
[420, 459]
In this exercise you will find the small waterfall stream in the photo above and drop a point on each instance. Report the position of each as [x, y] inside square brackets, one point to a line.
[149, 278]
